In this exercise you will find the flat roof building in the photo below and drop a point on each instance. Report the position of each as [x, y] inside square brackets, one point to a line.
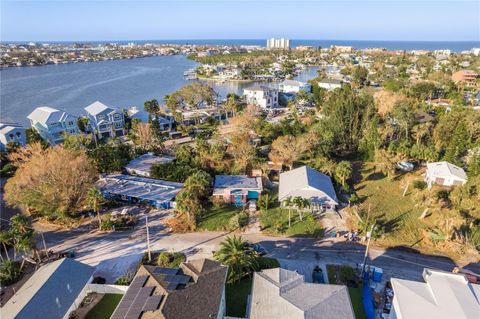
[136, 189]
[141, 165]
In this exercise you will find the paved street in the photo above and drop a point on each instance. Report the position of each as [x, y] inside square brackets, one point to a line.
[115, 253]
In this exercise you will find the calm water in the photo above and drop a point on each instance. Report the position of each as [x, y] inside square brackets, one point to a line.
[120, 83]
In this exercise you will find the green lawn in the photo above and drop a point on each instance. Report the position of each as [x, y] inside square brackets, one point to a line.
[236, 297]
[275, 222]
[396, 214]
[334, 274]
[105, 308]
[217, 218]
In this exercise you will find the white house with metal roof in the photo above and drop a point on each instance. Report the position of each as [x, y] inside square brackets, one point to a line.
[135, 189]
[105, 121]
[330, 84]
[444, 174]
[291, 86]
[165, 122]
[443, 295]
[52, 292]
[263, 96]
[283, 294]
[52, 124]
[11, 133]
[237, 189]
[141, 165]
[308, 183]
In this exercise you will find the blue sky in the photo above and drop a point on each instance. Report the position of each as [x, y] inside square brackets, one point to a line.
[158, 20]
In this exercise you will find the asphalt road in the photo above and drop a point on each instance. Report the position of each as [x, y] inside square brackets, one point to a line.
[116, 252]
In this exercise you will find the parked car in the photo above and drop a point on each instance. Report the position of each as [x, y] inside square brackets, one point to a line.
[258, 248]
[405, 166]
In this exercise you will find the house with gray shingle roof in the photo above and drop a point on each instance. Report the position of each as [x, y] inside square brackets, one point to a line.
[52, 124]
[52, 292]
[283, 294]
[194, 290]
[308, 183]
[105, 121]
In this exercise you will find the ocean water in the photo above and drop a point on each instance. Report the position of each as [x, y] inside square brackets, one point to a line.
[120, 83]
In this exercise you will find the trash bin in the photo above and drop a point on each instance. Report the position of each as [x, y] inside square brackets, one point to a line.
[377, 274]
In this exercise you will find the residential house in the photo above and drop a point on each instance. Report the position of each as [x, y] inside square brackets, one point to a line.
[11, 133]
[194, 290]
[467, 77]
[308, 184]
[105, 121]
[444, 174]
[290, 86]
[443, 295]
[265, 97]
[237, 189]
[52, 124]
[342, 48]
[136, 189]
[282, 294]
[53, 291]
[141, 165]
[330, 84]
[165, 122]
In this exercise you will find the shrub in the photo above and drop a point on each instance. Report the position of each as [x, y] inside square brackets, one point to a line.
[170, 260]
[125, 279]
[99, 280]
[346, 273]
[238, 221]
[10, 272]
[442, 194]
[353, 198]
[267, 263]
[421, 185]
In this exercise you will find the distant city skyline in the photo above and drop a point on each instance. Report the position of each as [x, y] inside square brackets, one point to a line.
[175, 20]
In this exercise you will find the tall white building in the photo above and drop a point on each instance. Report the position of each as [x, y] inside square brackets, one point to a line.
[278, 43]
[265, 97]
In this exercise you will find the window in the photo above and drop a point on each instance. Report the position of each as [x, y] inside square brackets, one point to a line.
[70, 123]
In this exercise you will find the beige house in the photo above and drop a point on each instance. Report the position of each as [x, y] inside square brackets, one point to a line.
[282, 294]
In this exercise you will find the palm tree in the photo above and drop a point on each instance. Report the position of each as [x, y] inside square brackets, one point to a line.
[298, 202]
[343, 171]
[287, 202]
[95, 200]
[238, 256]
[5, 239]
[25, 245]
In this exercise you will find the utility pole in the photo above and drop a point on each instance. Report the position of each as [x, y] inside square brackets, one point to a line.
[369, 236]
[148, 240]
[44, 245]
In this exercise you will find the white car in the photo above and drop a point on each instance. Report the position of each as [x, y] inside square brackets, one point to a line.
[405, 166]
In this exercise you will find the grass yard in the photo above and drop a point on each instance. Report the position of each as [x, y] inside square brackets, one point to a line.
[275, 222]
[236, 297]
[217, 218]
[105, 308]
[338, 273]
[396, 214]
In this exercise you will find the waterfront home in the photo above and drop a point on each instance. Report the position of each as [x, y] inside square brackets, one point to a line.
[307, 183]
[330, 84]
[444, 174]
[196, 289]
[283, 294]
[141, 165]
[291, 86]
[53, 291]
[263, 96]
[135, 189]
[443, 295]
[236, 189]
[52, 124]
[105, 121]
[11, 133]
[165, 122]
